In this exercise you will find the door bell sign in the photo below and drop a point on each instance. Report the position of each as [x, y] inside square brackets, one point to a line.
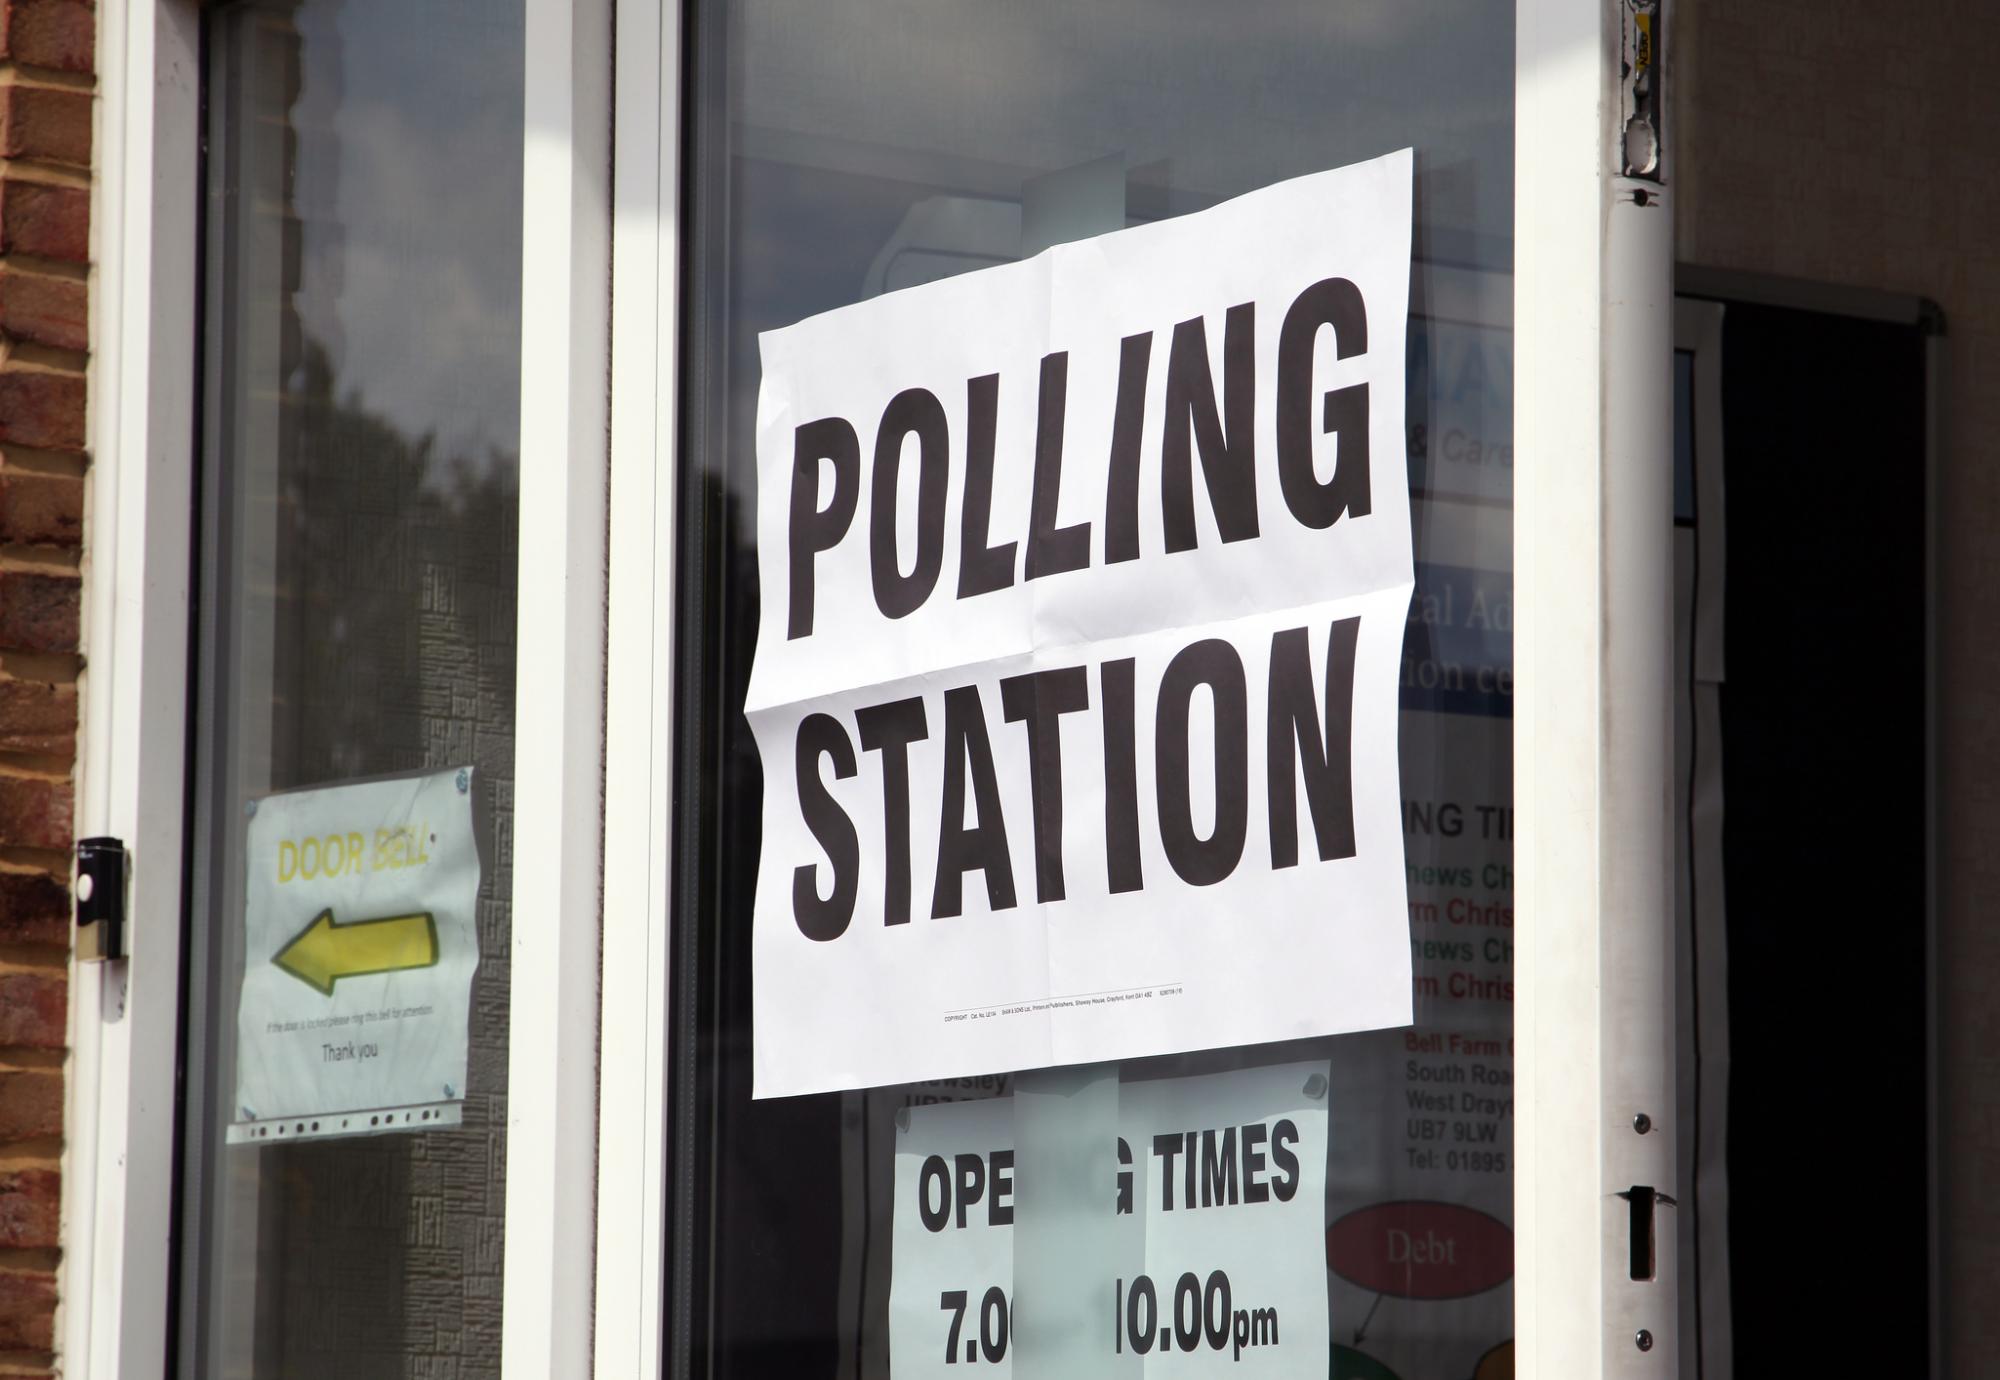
[360, 943]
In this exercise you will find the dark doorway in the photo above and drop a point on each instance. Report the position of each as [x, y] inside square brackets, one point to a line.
[1823, 717]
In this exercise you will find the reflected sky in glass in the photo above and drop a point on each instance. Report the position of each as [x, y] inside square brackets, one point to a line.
[409, 121]
[1200, 100]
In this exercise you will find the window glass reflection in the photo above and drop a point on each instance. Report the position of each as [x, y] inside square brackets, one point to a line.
[851, 149]
[360, 376]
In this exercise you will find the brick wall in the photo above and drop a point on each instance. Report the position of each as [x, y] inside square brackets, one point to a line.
[46, 95]
[1854, 142]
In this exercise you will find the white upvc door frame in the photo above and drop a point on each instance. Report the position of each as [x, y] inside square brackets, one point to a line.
[1594, 957]
[125, 1017]
[553, 1050]
[638, 797]
[1593, 640]
[118, 1161]
[587, 1111]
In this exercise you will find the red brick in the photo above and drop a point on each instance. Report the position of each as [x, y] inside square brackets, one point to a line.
[40, 509]
[36, 812]
[27, 1310]
[34, 909]
[39, 218]
[31, 1105]
[34, 1010]
[37, 717]
[45, 122]
[41, 408]
[61, 34]
[30, 1207]
[38, 612]
[48, 311]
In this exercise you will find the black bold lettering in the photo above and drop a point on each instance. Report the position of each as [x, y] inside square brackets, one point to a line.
[914, 411]
[1227, 444]
[934, 1172]
[1165, 1147]
[981, 568]
[1128, 429]
[890, 729]
[815, 529]
[1039, 699]
[984, 845]
[1255, 1190]
[1218, 1167]
[1214, 663]
[1121, 778]
[823, 919]
[1000, 1201]
[971, 1182]
[1283, 1136]
[1337, 303]
[1052, 549]
[1323, 737]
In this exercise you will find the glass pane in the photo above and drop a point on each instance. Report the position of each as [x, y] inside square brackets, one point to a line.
[849, 149]
[355, 683]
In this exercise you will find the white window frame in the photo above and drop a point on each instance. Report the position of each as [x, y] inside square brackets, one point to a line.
[1594, 952]
[118, 1164]
[125, 1019]
[588, 1116]
[546, 1312]
[645, 463]
[1594, 976]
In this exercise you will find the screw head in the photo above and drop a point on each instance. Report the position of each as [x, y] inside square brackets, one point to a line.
[1642, 1123]
[1643, 1340]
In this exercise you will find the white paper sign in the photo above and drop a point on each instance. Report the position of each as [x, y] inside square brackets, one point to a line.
[1227, 1173]
[1083, 594]
[359, 950]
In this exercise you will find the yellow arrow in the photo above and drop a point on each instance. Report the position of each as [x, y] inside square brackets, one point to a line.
[323, 953]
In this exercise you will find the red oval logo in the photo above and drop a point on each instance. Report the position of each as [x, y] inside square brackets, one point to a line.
[1421, 1250]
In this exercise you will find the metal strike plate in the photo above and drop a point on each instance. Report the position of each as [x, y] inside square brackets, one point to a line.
[1642, 1234]
[100, 899]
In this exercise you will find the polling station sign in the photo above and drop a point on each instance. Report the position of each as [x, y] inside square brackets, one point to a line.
[360, 944]
[1083, 592]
